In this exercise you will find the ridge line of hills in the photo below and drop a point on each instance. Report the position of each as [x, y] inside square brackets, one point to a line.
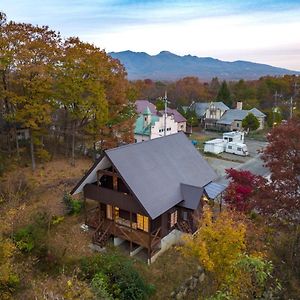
[169, 66]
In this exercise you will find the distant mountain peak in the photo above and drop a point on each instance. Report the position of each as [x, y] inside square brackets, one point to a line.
[164, 52]
[169, 66]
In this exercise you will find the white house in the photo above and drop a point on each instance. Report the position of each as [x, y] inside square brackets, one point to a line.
[149, 126]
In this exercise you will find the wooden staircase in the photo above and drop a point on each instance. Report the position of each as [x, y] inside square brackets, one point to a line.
[102, 234]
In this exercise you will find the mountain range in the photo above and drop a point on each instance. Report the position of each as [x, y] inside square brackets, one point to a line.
[169, 66]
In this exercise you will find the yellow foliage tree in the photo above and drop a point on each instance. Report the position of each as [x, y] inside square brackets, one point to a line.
[218, 243]
[220, 246]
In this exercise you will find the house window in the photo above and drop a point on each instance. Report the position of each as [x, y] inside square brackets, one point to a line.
[109, 212]
[237, 124]
[239, 149]
[184, 215]
[142, 222]
[229, 147]
[173, 219]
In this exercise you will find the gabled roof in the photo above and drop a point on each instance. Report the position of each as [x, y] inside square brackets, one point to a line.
[238, 114]
[141, 105]
[139, 125]
[191, 196]
[257, 113]
[201, 107]
[154, 170]
[232, 115]
[178, 117]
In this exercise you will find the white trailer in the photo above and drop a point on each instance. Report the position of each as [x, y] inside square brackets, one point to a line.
[234, 136]
[215, 146]
[237, 148]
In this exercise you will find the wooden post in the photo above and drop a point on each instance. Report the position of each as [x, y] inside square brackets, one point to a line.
[98, 178]
[115, 181]
[130, 231]
[149, 245]
[99, 212]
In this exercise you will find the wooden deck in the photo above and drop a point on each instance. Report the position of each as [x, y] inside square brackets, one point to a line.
[105, 228]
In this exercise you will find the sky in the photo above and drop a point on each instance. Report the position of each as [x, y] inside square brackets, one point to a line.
[263, 31]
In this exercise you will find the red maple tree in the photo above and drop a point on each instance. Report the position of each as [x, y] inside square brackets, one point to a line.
[243, 185]
[280, 197]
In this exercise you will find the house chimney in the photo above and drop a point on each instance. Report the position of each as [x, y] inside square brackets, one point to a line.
[239, 105]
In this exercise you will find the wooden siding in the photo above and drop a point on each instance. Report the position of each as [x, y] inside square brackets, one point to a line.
[107, 196]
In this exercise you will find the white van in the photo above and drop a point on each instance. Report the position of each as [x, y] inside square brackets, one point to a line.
[237, 148]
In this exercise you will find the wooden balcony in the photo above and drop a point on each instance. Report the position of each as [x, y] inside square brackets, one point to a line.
[112, 197]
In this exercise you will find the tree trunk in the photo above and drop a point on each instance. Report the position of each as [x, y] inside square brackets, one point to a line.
[73, 145]
[32, 152]
[17, 143]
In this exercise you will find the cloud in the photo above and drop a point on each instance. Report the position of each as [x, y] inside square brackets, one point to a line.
[258, 30]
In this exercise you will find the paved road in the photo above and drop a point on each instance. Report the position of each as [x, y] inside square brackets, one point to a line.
[254, 165]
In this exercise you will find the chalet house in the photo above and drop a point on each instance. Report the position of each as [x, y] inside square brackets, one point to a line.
[218, 116]
[209, 113]
[147, 193]
[233, 118]
[149, 126]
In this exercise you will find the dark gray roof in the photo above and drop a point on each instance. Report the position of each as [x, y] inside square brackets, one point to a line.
[191, 196]
[214, 189]
[178, 117]
[238, 114]
[257, 113]
[154, 170]
[201, 107]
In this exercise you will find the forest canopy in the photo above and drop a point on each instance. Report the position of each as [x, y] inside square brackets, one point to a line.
[64, 92]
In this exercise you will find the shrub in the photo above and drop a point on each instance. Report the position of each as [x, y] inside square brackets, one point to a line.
[100, 286]
[32, 237]
[123, 280]
[8, 279]
[73, 206]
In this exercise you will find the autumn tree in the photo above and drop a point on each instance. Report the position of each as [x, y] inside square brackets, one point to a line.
[282, 157]
[81, 89]
[220, 246]
[242, 187]
[28, 66]
[278, 200]
[224, 94]
[250, 122]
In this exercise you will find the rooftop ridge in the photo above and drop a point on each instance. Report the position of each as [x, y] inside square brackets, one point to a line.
[148, 141]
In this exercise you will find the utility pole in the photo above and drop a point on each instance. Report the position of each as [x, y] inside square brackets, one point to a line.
[166, 111]
[292, 101]
[275, 107]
